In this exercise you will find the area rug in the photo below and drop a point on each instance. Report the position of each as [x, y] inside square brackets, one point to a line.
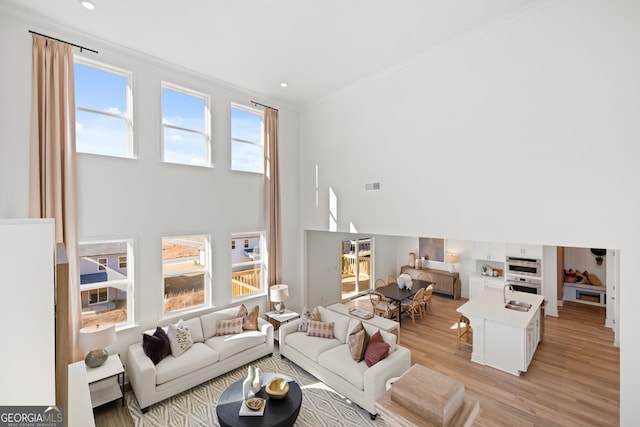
[321, 406]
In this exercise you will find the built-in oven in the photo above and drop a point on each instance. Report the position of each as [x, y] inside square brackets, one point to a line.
[519, 266]
[525, 284]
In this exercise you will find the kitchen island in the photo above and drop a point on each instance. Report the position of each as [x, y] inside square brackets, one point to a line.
[503, 338]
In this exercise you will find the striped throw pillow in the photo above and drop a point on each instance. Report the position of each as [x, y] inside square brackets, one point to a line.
[320, 329]
[229, 327]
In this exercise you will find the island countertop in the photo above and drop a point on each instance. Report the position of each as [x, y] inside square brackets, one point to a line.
[490, 305]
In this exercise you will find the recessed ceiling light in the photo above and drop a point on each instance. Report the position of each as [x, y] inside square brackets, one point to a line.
[283, 85]
[87, 4]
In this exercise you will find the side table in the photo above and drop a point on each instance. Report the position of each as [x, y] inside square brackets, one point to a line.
[106, 382]
[278, 319]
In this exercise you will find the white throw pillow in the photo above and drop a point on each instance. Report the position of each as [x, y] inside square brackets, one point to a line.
[179, 338]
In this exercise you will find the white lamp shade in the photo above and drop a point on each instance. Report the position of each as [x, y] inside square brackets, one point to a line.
[452, 258]
[279, 293]
[97, 337]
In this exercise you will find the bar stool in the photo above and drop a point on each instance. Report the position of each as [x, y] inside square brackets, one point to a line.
[464, 328]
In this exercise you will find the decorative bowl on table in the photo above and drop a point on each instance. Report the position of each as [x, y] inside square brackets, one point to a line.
[255, 403]
[277, 388]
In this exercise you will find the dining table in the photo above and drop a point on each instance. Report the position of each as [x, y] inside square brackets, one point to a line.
[397, 295]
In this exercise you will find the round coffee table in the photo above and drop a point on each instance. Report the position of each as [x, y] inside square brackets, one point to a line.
[282, 412]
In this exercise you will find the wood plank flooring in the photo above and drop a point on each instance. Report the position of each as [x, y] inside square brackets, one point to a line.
[574, 378]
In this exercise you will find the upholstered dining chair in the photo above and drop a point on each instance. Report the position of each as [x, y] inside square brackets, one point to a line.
[414, 306]
[383, 307]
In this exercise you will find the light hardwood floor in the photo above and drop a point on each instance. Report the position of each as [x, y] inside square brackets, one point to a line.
[574, 378]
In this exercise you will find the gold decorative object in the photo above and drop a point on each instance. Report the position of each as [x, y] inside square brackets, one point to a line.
[277, 388]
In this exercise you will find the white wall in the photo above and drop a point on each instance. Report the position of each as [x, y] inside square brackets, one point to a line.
[145, 199]
[543, 104]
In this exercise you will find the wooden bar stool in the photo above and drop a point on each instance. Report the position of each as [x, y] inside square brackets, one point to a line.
[464, 328]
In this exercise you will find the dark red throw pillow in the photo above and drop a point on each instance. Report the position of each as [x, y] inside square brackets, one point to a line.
[376, 350]
[156, 346]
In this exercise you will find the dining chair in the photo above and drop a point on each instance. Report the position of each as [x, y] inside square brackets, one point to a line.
[426, 302]
[414, 306]
[380, 283]
[383, 307]
[391, 279]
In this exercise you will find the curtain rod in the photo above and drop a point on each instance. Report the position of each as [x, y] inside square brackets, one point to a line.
[65, 42]
[262, 105]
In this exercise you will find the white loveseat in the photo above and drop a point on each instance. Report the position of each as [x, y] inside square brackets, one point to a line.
[209, 357]
[330, 360]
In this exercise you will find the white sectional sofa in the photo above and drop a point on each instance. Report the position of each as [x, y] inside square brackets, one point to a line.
[330, 360]
[209, 356]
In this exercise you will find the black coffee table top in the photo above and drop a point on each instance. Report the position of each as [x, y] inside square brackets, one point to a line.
[281, 412]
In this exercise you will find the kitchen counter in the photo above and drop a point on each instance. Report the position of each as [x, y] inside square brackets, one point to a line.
[502, 338]
[490, 305]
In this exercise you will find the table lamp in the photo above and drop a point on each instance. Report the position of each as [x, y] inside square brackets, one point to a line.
[94, 339]
[452, 259]
[279, 294]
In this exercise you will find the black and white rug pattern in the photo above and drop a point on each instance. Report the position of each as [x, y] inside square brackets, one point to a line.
[321, 406]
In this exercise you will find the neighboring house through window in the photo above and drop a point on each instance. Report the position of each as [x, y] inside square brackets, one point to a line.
[185, 271]
[106, 288]
[247, 139]
[247, 265]
[186, 126]
[104, 122]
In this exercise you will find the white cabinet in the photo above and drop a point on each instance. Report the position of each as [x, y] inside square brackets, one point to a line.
[489, 251]
[518, 249]
[533, 338]
[478, 284]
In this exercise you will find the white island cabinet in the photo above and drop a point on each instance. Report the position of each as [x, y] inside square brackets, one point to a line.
[504, 339]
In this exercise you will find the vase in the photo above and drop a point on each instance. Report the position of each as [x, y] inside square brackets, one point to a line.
[257, 381]
[412, 259]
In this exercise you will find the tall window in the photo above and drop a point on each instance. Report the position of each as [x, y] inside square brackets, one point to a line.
[185, 272]
[186, 130]
[247, 264]
[246, 139]
[104, 123]
[106, 291]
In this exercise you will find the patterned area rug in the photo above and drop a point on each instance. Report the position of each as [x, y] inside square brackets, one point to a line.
[321, 406]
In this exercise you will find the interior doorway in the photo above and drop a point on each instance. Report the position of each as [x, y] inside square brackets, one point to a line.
[356, 266]
[589, 277]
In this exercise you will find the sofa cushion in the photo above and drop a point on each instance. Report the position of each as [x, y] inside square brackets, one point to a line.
[311, 347]
[229, 326]
[249, 319]
[210, 321]
[377, 349]
[357, 342]
[229, 345]
[338, 360]
[320, 329]
[195, 329]
[197, 357]
[179, 338]
[156, 346]
[340, 323]
[307, 315]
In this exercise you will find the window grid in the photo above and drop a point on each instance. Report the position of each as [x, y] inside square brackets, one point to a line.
[93, 146]
[177, 152]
